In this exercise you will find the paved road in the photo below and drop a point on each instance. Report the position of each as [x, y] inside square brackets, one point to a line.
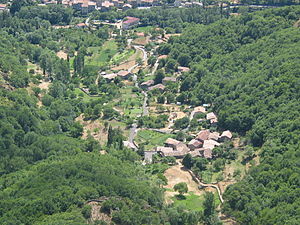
[132, 132]
[155, 67]
[145, 56]
[145, 107]
[87, 22]
[145, 112]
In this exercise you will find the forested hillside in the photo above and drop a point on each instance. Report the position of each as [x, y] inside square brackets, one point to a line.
[270, 2]
[248, 68]
[56, 188]
[55, 102]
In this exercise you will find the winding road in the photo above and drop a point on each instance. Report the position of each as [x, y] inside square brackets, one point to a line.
[207, 185]
[145, 112]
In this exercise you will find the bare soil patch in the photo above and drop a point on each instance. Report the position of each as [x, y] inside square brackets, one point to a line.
[130, 62]
[44, 85]
[94, 128]
[141, 41]
[177, 174]
[96, 214]
[61, 54]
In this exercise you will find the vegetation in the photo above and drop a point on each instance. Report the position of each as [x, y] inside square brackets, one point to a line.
[181, 188]
[246, 67]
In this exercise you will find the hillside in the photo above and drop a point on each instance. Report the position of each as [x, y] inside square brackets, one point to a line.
[253, 84]
[198, 125]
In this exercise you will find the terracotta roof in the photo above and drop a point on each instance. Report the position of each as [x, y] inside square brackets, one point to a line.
[123, 73]
[214, 120]
[158, 86]
[211, 116]
[183, 69]
[147, 83]
[171, 142]
[129, 20]
[127, 5]
[210, 144]
[81, 25]
[162, 56]
[214, 136]
[110, 76]
[167, 151]
[172, 79]
[193, 144]
[181, 147]
[207, 153]
[107, 4]
[200, 109]
[195, 153]
[203, 135]
[227, 134]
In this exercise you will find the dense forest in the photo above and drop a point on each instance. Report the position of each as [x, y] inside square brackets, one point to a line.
[270, 2]
[248, 68]
[174, 19]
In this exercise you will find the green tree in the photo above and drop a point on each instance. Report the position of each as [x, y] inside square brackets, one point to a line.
[86, 211]
[159, 76]
[181, 188]
[188, 161]
[209, 205]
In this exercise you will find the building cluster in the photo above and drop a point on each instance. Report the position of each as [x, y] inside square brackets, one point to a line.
[203, 143]
[150, 84]
[123, 74]
[201, 146]
[87, 6]
[185, 3]
[130, 22]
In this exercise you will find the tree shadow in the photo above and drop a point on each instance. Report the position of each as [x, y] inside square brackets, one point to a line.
[180, 197]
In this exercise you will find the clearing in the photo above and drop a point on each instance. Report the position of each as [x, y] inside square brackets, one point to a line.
[141, 41]
[102, 54]
[152, 138]
[130, 62]
[97, 130]
[177, 174]
[62, 55]
[194, 198]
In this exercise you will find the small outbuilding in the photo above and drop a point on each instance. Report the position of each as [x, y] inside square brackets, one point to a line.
[226, 136]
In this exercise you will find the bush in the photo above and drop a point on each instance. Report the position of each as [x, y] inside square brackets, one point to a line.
[86, 211]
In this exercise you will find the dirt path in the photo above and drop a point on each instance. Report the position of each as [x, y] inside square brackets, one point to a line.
[177, 174]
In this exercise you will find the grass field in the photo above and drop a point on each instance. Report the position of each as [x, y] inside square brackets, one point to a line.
[153, 138]
[191, 202]
[130, 102]
[144, 29]
[101, 55]
[83, 95]
[121, 57]
[140, 41]
[194, 202]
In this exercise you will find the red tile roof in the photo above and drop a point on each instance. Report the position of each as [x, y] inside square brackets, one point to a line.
[130, 19]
